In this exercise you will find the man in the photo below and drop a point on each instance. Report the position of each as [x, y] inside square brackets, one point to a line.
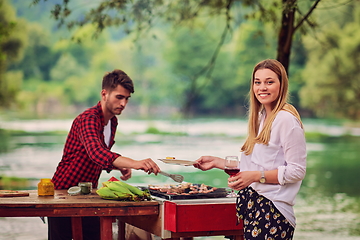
[87, 151]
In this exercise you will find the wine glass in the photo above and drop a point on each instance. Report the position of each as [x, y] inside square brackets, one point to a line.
[232, 168]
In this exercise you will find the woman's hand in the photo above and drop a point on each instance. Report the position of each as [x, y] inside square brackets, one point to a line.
[208, 162]
[243, 179]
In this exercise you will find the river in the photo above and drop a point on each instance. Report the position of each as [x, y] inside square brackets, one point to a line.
[327, 205]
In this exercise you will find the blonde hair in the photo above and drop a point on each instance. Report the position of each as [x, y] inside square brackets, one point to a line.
[256, 107]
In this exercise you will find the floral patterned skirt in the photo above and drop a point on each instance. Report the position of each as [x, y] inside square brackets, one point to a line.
[262, 220]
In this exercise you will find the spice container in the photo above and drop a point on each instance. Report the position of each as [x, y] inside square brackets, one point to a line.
[45, 187]
[86, 187]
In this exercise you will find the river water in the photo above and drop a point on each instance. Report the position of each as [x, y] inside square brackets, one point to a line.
[327, 206]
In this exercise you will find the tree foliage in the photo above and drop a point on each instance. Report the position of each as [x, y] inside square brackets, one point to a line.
[201, 58]
[12, 44]
[38, 56]
[332, 72]
[286, 16]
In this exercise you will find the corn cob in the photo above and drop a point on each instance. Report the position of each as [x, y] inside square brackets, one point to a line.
[114, 186]
[136, 191]
[106, 193]
[132, 189]
[124, 188]
[125, 196]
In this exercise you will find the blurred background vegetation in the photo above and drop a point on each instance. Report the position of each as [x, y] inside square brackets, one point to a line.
[189, 59]
[186, 57]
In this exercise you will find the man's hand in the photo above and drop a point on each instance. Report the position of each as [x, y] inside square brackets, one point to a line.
[147, 165]
[126, 173]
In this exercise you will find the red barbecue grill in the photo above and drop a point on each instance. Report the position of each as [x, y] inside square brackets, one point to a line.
[210, 214]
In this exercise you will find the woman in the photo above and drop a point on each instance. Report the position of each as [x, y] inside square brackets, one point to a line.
[273, 158]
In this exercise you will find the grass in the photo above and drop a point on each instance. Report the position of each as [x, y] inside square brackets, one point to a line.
[13, 183]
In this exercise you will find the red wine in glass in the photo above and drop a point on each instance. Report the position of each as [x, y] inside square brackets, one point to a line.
[232, 171]
[231, 165]
[231, 168]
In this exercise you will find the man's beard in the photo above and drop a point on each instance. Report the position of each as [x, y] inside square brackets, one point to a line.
[114, 111]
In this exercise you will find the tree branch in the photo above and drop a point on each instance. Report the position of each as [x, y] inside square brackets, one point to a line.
[306, 15]
[208, 69]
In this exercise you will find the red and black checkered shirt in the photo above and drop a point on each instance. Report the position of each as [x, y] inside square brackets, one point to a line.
[85, 153]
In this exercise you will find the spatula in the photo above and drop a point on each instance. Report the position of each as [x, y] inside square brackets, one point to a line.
[176, 177]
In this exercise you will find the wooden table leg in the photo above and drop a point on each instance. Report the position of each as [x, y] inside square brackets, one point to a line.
[121, 229]
[106, 228]
[76, 227]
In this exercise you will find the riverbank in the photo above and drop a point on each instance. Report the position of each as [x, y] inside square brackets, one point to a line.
[233, 127]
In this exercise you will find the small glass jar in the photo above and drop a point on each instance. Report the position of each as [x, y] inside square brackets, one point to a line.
[86, 187]
[46, 187]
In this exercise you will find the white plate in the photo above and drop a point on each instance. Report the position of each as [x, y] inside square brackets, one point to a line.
[177, 161]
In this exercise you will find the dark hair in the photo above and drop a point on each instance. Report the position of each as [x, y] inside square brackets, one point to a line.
[117, 77]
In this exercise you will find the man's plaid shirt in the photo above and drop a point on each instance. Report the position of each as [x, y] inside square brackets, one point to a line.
[85, 153]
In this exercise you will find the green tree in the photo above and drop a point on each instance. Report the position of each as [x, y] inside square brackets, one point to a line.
[187, 60]
[66, 66]
[39, 57]
[287, 17]
[56, 76]
[12, 43]
[144, 63]
[332, 74]
[225, 90]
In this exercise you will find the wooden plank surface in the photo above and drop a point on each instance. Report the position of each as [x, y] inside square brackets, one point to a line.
[62, 199]
[63, 204]
[13, 193]
[73, 212]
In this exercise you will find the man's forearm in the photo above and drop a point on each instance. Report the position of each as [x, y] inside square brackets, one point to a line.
[124, 162]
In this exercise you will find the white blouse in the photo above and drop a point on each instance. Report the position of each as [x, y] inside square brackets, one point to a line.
[286, 152]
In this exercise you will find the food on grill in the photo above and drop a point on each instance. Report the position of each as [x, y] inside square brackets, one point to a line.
[183, 189]
[118, 190]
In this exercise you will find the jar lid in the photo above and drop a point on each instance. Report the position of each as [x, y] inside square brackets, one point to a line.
[74, 190]
[85, 184]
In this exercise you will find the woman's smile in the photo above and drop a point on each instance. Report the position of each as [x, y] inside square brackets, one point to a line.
[266, 87]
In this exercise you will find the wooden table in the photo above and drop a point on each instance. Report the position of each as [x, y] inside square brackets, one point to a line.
[64, 205]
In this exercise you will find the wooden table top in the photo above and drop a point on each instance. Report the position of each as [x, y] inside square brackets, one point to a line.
[62, 198]
[66, 205]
